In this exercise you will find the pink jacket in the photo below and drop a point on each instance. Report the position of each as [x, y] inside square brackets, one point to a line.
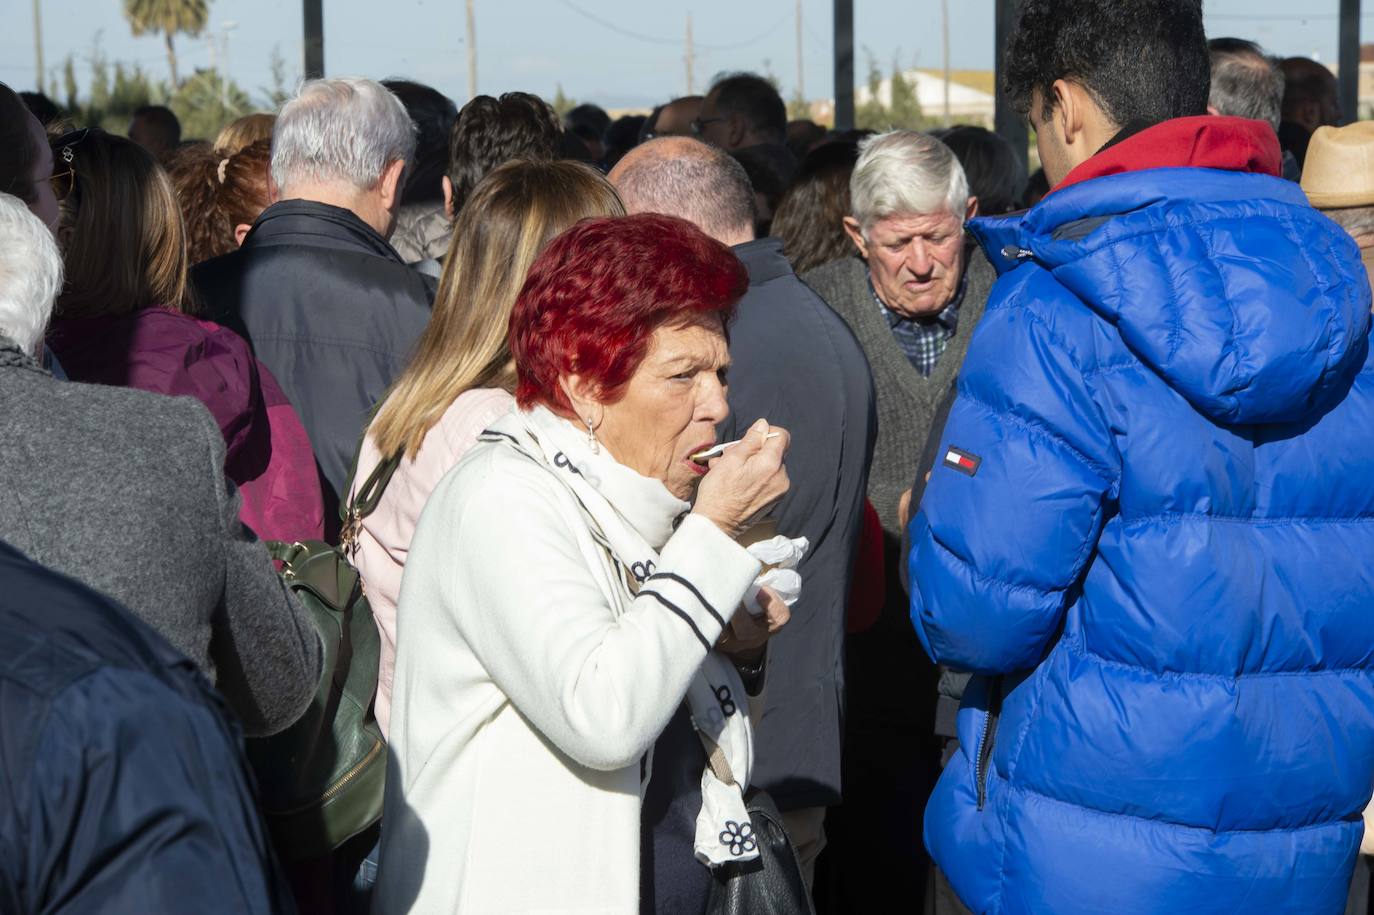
[384, 540]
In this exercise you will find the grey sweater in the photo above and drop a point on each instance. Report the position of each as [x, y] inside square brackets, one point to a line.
[125, 491]
[907, 400]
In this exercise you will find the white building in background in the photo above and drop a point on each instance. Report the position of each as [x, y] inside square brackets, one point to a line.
[967, 104]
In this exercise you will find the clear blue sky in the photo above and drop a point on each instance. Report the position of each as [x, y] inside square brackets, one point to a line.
[537, 45]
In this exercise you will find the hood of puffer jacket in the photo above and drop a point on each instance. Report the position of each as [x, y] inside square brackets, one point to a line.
[1225, 282]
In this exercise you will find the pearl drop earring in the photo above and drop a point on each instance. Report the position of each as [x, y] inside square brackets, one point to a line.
[591, 436]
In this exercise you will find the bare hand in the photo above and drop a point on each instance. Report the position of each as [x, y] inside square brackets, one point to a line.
[743, 640]
[745, 481]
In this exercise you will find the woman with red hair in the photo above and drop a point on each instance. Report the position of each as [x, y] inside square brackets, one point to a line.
[571, 592]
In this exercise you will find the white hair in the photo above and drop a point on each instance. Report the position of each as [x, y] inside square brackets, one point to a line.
[30, 274]
[1355, 220]
[905, 173]
[340, 130]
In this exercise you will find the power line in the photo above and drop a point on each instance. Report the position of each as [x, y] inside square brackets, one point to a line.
[1282, 17]
[654, 39]
[606, 23]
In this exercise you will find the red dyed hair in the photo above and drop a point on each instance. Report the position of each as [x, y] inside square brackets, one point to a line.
[597, 293]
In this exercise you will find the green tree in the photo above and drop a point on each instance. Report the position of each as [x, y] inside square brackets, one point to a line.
[131, 89]
[69, 85]
[871, 114]
[169, 17]
[206, 102]
[798, 108]
[905, 107]
[561, 103]
[99, 98]
[277, 94]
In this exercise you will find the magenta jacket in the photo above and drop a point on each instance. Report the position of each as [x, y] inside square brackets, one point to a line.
[267, 453]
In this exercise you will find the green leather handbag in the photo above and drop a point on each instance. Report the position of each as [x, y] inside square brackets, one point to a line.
[321, 780]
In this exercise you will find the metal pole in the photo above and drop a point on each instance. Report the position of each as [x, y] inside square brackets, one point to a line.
[944, 23]
[38, 45]
[1349, 75]
[1006, 121]
[844, 64]
[472, 52]
[689, 56]
[314, 38]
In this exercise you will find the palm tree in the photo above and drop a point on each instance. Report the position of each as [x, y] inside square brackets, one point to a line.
[168, 17]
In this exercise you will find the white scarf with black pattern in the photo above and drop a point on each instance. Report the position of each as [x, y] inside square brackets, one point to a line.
[633, 516]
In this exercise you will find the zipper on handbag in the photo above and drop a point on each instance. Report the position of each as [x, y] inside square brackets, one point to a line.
[354, 772]
[985, 743]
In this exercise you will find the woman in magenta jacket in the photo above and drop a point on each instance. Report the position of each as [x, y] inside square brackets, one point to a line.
[122, 319]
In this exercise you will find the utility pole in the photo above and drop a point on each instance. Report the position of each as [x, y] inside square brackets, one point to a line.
[691, 84]
[38, 44]
[844, 64]
[226, 28]
[944, 23]
[801, 71]
[472, 52]
[313, 15]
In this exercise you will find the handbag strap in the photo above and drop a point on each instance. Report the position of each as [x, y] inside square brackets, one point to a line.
[364, 501]
[720, 766]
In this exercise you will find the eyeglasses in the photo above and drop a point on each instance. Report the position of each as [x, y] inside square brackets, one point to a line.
[699, 124]
[64, 154]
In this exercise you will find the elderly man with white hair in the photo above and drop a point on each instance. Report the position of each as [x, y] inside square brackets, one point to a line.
[912, 296]
[327, 304]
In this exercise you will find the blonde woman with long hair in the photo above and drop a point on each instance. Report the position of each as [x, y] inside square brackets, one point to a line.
[462, 377]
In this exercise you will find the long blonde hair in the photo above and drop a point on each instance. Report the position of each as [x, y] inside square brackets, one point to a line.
[504, 224]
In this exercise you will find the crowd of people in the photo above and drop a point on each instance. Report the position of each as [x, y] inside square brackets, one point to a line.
[844, 521]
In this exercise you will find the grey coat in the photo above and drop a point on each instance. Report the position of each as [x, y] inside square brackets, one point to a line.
[797, 364]
[907, 400]
[125, 491]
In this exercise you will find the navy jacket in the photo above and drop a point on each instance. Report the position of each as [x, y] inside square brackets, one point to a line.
[1150, 529]
[796, 363]
[329, 308]
[122, 783]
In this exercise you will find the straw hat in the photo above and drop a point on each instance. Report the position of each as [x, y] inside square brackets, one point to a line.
[1339, 169]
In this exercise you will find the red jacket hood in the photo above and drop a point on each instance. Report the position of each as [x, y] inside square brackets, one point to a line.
[1206, 141]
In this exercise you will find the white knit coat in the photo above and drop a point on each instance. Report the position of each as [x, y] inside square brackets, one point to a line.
[530, 683]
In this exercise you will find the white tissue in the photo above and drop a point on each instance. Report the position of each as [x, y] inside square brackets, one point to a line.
[783, 554]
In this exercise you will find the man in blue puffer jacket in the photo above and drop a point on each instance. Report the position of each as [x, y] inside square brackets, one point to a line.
[1150, 524]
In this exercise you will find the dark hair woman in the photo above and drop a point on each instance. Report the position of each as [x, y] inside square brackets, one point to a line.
[123, 319]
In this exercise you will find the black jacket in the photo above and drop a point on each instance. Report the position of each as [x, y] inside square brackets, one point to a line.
[122, 784]
[329, 308]
[797, 364]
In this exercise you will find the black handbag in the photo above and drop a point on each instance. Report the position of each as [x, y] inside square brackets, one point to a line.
[321, 780]
[772, 884]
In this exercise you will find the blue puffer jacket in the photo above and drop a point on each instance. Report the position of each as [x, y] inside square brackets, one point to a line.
[1151, 530]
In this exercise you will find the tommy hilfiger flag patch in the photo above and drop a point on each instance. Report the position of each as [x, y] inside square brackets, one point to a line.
[962, 461]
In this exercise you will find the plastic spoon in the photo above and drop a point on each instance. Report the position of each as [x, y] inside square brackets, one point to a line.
[701, 457]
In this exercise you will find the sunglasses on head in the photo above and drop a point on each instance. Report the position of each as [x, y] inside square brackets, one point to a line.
[63, 155]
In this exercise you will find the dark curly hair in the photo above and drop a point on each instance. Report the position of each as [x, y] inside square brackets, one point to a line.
[1143, 61]
[491, 131]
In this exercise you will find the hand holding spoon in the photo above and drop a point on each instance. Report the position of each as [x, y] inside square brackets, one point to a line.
[701, 457]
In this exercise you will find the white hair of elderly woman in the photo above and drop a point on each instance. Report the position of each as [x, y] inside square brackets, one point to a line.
[344, 130]
[30, 274]
[905, 173]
